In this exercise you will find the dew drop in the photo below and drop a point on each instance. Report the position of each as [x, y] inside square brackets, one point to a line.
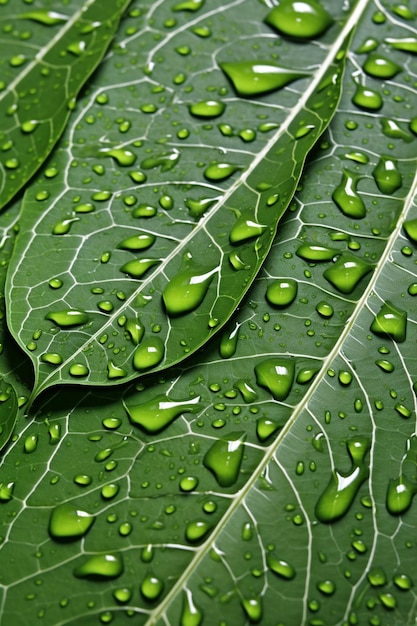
[280, 568]
[151, 587]
[282, 292]
[366, 98]
[244, 229]
[253, 609]
[347, 198]
[188, 483]
[78, 370]
[64, 226]
[315, 253]
[376, 576]
[380, 67]
[390, 321]
[135, 330]
[224, 458]
[55, 283]
[156, 414]
[228, 342]
[410, 228]
[385, 365]
[191, 614]
[138, 267]
[6, 491]
[387, 176]
[346, 273]
[122, 595]
[101, 567]
[299, 20]
[248, 392]
[392, 129]
[253, 78]
[67, 522]
[68, 318]
[324, 309]
[339, 494]
[403, 582]
[196, 531]
[48, 18]
[220, 171]
[115, 371]
[188, 5]
[186, 291]
[276, 375]
[327, 587]
[406, 44]
[207, 108]
[140, 241]
[197, 208]
[149, 353]
[166, 161]
[53, 358]
[121, 156]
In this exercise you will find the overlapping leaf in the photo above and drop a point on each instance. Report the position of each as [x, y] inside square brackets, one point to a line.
[47, 54]
[273, 474]
[149, 232]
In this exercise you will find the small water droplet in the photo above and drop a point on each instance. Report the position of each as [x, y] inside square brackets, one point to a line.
[245, 228]
[346, 273]
[405, 44]
[368, 99]
[207, 108]
[390, 321]
[376, 576]
[218, 172]
[282, 292]
[392, 129]
[228, 342]
[6, 491]
[315, 253]
[197, 531]
[253, 609]
[280, 567]
[64, 226]
[149, 353]
[67, 522]
[53, 358]
[122, 595]
[339, 494]
[186, 290]
[151, 587]
[402, 581]
[299, 20]
[188, 5]
[378, 66]
[137, 268]
[101, 567]
[224, 458]
[191, 614]
[327, 587]
[248, 392]
[276, 375]
[140, 241]
[347, 198]
[166, 161]
[48, 18]
[253, 78]
[410, 228]
[158, 413]
[68, 318]
[121, 156]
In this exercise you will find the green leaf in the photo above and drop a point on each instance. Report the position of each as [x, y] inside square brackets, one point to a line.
[270, 478]
[47, 55]
[151, 234]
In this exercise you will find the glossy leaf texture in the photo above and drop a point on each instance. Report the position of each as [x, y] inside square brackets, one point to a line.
[270, 478]
[158, 209]
[48, 51]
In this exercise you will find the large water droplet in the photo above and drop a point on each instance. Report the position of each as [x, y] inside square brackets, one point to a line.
[299, 19]
[151, 587]
[228, 342]
[339, 494]
[101, 567]
[253, 609]
[282, 292]
[191, 615]
[368, 99]
[390, 321]
[135, 330]
[410, 228]
[165, 160]
[186, 291]
[196, 531]
[188, 5]
[265, 427]
[220, 171]
[122, 156]
[387, 176]
[48, 18]
[378, 66]
[207, 108]
[392, 129]
[246, 227]
[68, 318]
[316, 253]
[347, 198]
[248, 392]
[138, 267]
[224, 458]
[279, 567]
[276, 375]
[406, 44]
[67, 522]
[149, 353]
[140, 241]
[158, 413]
[253, 78]
[346, 273]
[400, 494]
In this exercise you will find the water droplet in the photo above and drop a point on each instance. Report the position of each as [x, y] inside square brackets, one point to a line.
[327, 587]
[138, 267]
[6, 491]
[122, 156]
[282, 292]
[402, 581]
[186, 291]
[224, 458]
[77, 48]
[410, 228]
[392, 129]
[276, 375]
[191, 615]
[29, 126]
[346, 273]
[48, 18]
[68, 318]
[53, 358]
[253, 609]
[220, 171]
[406, 44]
[253, 78]
[207, 108]
[83, 480]
[122, 595]
[198, 207]
[149, 353]
[78, 370]
[368, 45]
[377, 577]
[306, 375]
[188, 5]
[279, 567]
[385, 365]
[339, 494]
[245, 228]
[347, 198]
[188, 483]
[166, 161]
[366, 98]
[390, 321]
[158, 413]
[140, 241]
[380, 67]
[228, 342]
[64, 226]
[324, 309]
[237, 263]
[303, 130]
[67, 522]
[387, 176]
[197, 531]
[151, 587]
[345, 378]
[101, 567]
[315, 253]
[299, 20]
[109, 491]
[84, 208]
[248, 392]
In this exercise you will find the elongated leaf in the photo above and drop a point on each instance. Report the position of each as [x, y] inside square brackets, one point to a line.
[270, 478]
[47, 54]
[117, 293]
